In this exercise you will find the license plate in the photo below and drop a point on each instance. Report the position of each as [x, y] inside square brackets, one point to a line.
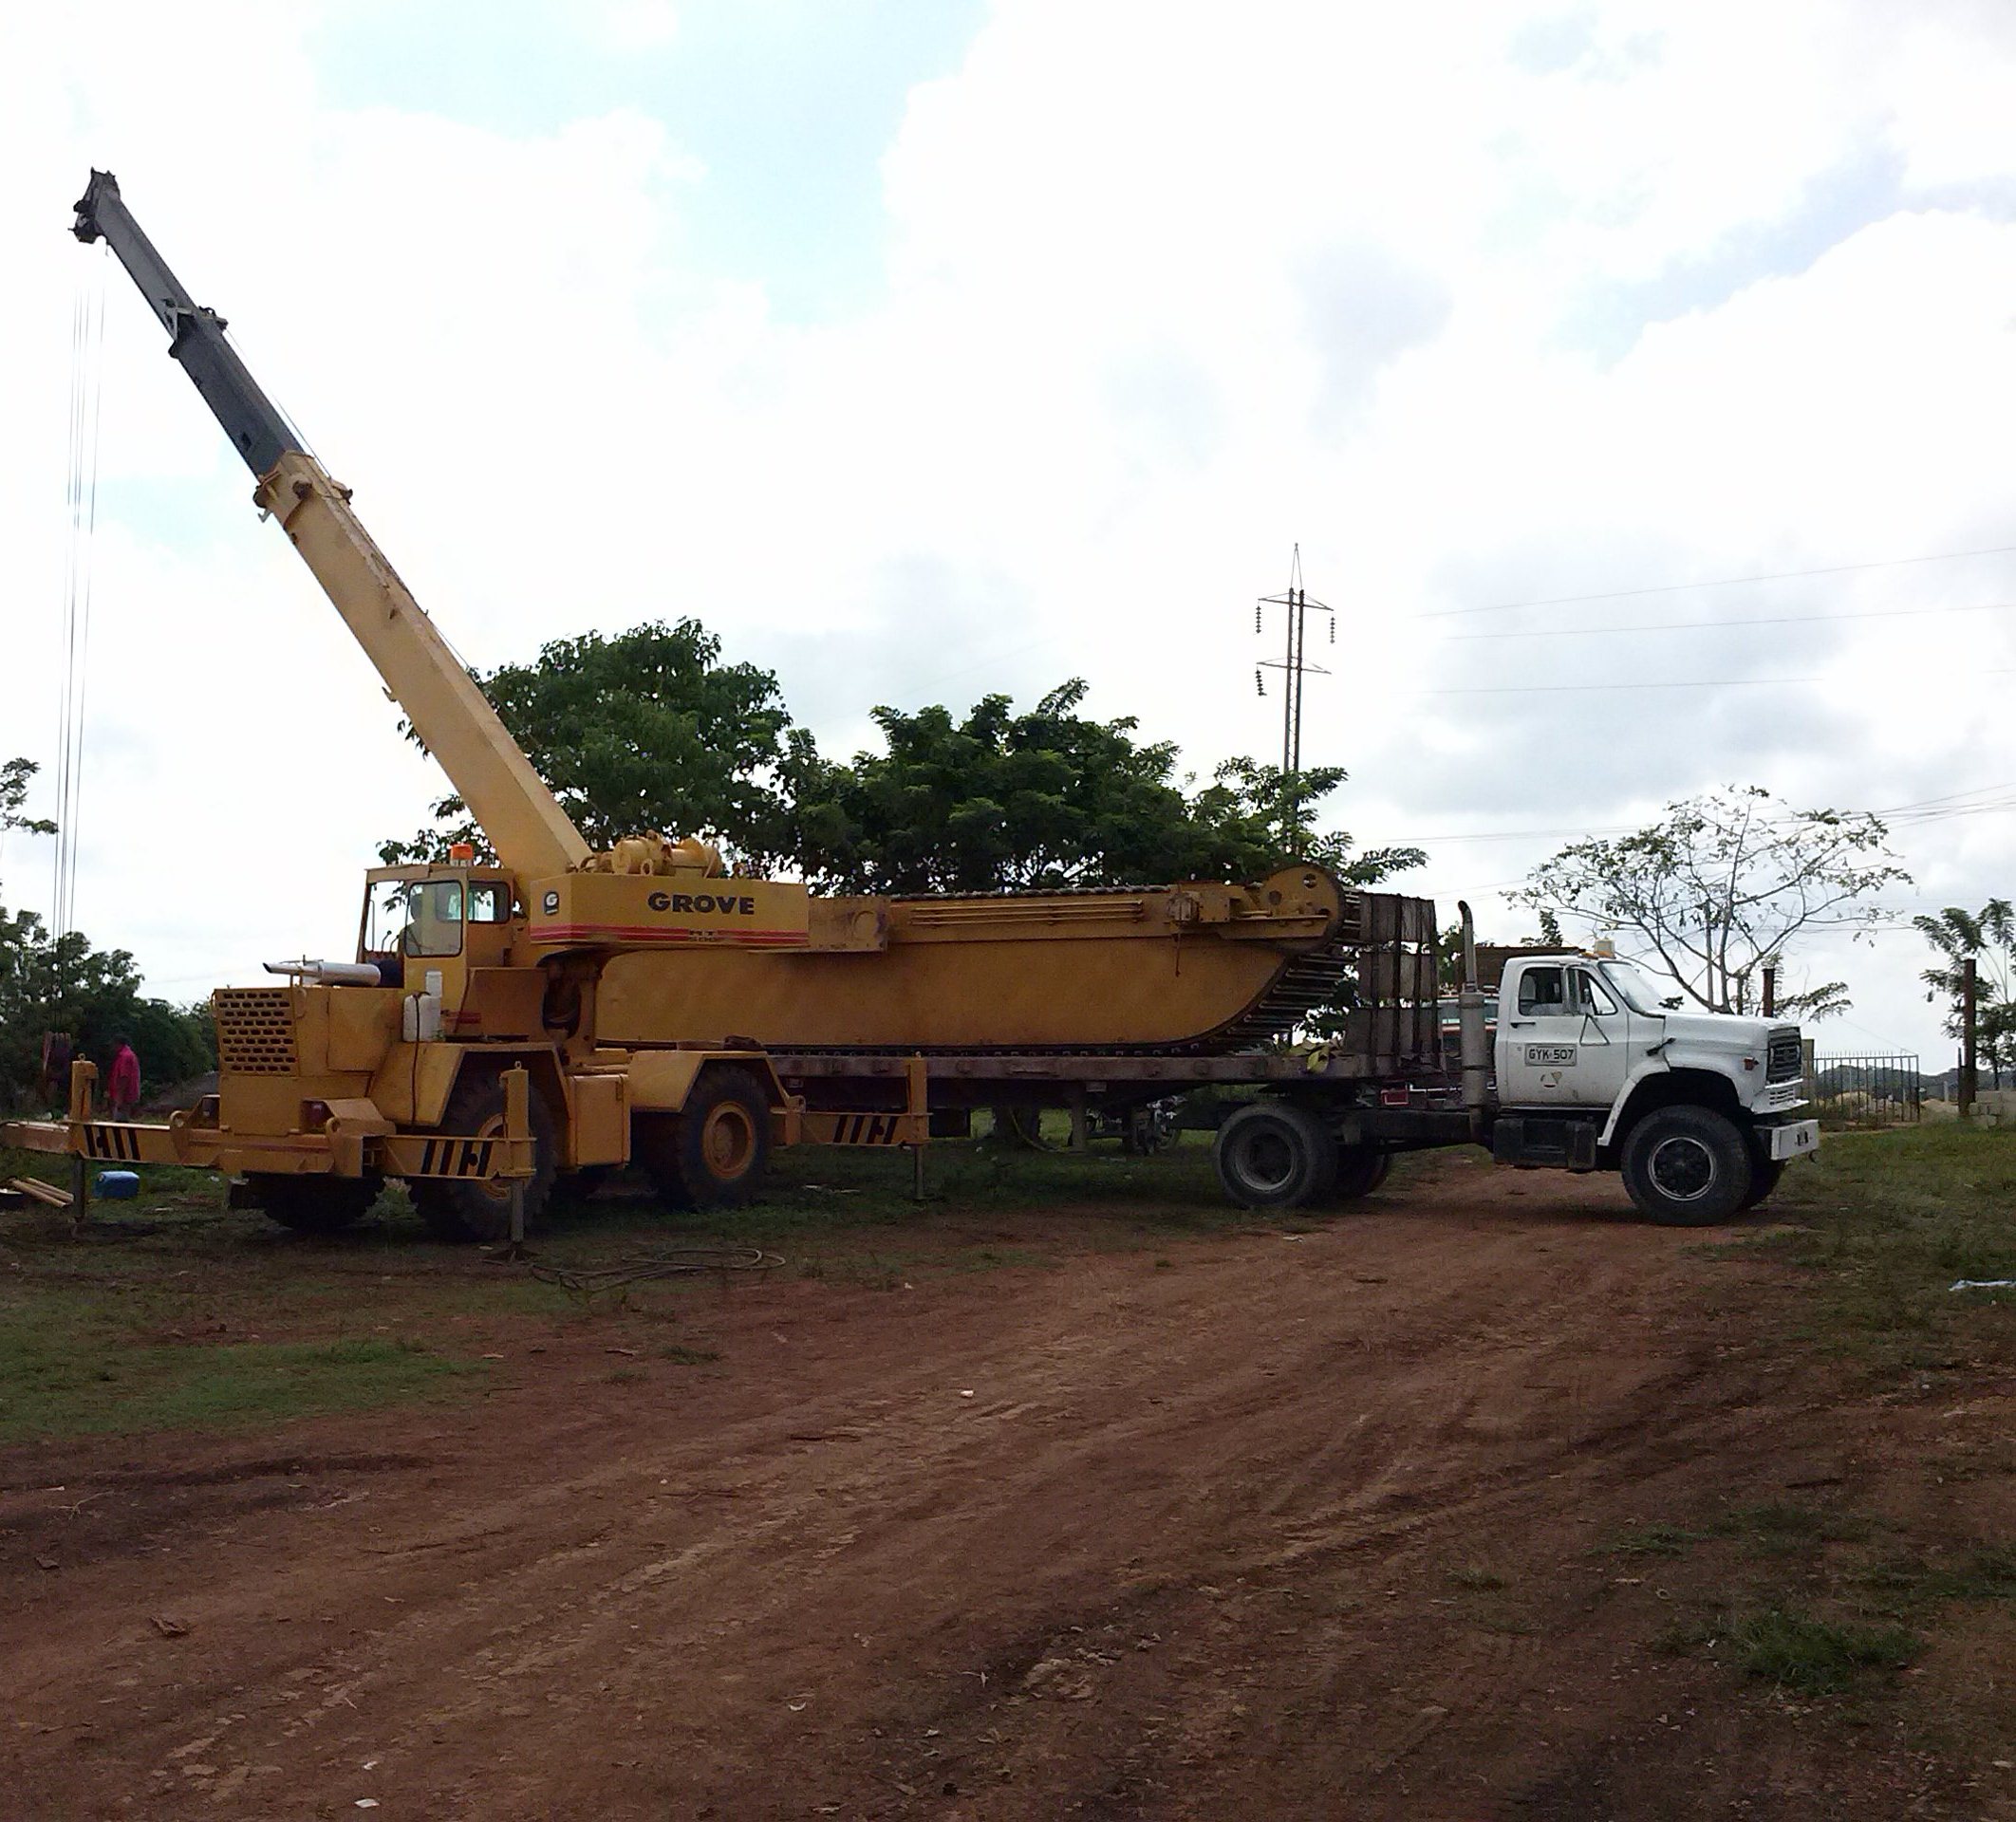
[1796, 1139]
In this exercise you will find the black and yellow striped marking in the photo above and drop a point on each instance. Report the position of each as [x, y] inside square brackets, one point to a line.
[864, 1128]
[456, 1157]
[115, 1144]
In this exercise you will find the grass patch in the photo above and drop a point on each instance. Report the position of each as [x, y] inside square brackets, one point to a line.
[684, 1356]
[1792, 1649]
[1886, 1223]
[1813, 1656]
[1784, 1528]
[56, 1380]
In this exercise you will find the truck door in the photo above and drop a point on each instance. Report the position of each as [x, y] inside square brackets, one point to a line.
[1562, 1042]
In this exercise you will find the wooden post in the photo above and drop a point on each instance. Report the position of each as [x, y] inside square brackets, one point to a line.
[1770, 990]
[1966, 1036]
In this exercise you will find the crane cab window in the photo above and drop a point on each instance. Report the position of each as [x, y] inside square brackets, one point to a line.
[414, 917]
[1543, 992]
[489, 901]
[433, 918]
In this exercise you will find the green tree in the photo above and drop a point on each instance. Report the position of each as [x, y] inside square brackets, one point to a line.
[642, 730]
[1987, 938]
[1723, 882]
[15, 775]
[66, 985]
[1047, 799]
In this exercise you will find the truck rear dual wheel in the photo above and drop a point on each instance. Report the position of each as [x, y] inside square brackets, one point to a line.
[481, 1210]
[713, 1152]
[1273, 1154]
[314, 1204]
[1689, 1167]
[1360, 1170]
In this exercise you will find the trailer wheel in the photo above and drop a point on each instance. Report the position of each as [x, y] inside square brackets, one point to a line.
[482, 1211]
[1360, 1170]
[1273, 1154]
[315, 1205]
[1687, 1167]
[713, 1152]
[1765, 1176]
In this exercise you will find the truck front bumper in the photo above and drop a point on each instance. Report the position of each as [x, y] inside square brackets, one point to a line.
[1791, 1138]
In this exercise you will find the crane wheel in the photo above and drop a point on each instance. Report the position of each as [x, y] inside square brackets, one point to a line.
[482, 1211]
[713, 1152]
[315, 1205]
[1273, 1154]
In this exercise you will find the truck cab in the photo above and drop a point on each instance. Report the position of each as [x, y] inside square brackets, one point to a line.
[1598, 1065]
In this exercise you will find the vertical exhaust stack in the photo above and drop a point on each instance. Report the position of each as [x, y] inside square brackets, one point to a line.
[1475, 1050]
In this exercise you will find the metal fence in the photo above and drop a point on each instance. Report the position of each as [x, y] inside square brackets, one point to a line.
[1867, 1091]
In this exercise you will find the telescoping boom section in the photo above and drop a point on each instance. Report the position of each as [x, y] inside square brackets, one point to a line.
[531, 833]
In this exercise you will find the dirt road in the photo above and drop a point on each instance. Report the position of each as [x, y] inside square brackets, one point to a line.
[1263, 1525]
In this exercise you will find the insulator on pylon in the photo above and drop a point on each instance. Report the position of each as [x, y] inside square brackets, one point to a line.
[1256, 616]
[1332, 629]
[1259, 682]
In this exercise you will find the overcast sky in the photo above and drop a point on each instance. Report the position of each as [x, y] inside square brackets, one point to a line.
[932, 348]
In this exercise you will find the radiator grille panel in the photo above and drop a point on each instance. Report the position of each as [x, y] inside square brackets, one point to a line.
[256, 1030]
[1785, 1062]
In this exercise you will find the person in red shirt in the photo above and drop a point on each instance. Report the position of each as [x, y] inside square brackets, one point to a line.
[123, 1090]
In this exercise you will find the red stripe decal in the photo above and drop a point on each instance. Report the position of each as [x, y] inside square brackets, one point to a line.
[659, 933]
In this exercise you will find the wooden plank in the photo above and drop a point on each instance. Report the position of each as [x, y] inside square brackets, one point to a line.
[37, 1191]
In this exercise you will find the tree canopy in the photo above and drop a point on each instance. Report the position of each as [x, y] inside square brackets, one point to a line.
[639, 731]
[649, 730]
[1987, 938]
[1722, 883]
[66, 985]
[1046, 799]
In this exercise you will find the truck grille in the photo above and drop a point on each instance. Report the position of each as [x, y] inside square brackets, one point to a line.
[256, 1030]
[1783, 1062]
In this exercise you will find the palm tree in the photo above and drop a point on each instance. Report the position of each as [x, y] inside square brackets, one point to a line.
[1987, 937]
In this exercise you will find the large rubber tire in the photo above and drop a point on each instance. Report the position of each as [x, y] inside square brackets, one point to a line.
[462, 1212]
[1273, 1154]
[1360, 1170]
[1687, 1167]
[1765, 1176]
[714, 1152]
[315, 1205]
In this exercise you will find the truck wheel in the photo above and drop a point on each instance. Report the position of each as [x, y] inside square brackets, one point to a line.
[1360, 1170]
[314, 1204]
[1765, 1175]
[1687, 1167]
[482, 1211]
[713, 1152]
[1272, 1154]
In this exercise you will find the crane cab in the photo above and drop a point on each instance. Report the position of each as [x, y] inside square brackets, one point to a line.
[446, 920]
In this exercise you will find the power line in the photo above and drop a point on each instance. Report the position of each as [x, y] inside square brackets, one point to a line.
[1721, 582]
[1689, 683]
[1771, 619]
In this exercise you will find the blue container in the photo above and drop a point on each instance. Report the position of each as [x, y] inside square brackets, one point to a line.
[115, 1185]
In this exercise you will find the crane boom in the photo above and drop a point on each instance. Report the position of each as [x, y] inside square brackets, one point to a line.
[525, 822]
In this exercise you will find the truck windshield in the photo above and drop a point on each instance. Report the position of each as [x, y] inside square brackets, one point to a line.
[1640, 991]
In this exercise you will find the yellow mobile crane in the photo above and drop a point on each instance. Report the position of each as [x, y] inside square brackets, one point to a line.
[561, 1011]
